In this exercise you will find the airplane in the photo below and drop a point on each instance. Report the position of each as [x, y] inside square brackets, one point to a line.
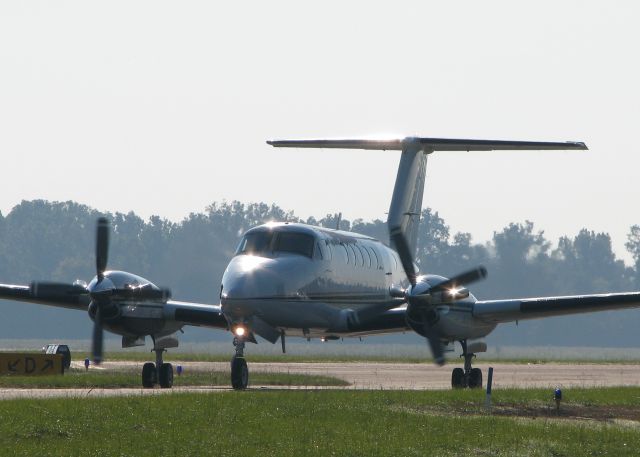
[292, 279]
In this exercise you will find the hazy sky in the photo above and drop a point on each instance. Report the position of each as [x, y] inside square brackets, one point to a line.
[164, 107]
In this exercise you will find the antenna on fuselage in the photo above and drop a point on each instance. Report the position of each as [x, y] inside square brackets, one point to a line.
[338, 220]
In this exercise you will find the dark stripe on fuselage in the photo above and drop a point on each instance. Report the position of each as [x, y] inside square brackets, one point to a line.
[342, 298]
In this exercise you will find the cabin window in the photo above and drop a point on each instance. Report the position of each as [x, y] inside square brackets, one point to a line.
[375, 257]
[323, 248]
[352, 254]
[343, 252]
[295, 243]
[367, 257]
[359, 256]
[329, 250]
[257, 242]
[395, 260]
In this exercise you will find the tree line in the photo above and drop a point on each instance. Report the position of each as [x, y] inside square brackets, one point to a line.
[55, 240]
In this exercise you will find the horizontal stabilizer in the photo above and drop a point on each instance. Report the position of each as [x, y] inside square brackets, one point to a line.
[429, 144]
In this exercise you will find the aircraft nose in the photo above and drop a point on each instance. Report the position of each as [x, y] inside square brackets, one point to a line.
[250, 277]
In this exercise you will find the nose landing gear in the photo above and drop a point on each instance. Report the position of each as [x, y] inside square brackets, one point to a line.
[467, 377]
[239, 369]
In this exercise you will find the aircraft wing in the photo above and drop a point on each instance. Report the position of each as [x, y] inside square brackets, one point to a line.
[500, 311]
[30, 294]
[198, 314]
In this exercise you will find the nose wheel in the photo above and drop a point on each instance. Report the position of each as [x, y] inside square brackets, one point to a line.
[467, 377]
[239, 368]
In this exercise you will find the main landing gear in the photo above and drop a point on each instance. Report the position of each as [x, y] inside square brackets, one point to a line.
[467, 377]
[158, 373]
[239, 369]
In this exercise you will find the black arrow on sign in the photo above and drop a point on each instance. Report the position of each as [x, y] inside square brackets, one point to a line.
[12, 366]
[48, 363]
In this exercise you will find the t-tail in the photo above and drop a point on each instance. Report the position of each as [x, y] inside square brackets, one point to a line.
[406, 206]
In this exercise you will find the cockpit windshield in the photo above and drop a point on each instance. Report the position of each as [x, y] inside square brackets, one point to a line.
[263, 242]
[257, 242]
[297, 243]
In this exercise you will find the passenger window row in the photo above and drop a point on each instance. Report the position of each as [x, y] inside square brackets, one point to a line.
[357, 255]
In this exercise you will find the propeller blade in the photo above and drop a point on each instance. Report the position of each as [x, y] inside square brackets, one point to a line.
[56, 290]
[96, 343]
[100, 296]
[437, 350]
[462, 279]
[435, 344]
[406, 258]
[102, 246]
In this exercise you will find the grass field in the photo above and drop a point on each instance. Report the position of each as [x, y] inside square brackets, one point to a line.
[130, 378]
[327, 423]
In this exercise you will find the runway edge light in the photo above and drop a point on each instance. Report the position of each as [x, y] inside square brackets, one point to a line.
[487, 402]
[557, 396]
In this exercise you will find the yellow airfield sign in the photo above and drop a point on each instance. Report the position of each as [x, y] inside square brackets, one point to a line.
[30, 364]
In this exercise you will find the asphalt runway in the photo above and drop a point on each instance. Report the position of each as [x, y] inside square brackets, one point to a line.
[375, 376]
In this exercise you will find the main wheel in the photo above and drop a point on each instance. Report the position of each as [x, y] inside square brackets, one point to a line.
[457, 378]
[239, 373]
[166, 375]
[475, 378]
[149, 375]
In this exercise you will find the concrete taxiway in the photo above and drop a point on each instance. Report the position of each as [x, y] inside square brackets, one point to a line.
[376, 376]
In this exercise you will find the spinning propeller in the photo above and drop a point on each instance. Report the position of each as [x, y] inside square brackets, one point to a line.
[99, 295]
[102, 291]
[423, 299]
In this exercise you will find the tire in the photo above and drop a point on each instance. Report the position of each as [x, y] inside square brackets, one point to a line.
[166, 375]
[149, 375]
[457, 378]
[475, 378]
[239, 373]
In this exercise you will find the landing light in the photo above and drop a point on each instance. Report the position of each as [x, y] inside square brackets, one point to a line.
[239, 331]
[455, 291]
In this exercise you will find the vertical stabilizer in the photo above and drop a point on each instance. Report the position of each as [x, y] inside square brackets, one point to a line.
[406, 203]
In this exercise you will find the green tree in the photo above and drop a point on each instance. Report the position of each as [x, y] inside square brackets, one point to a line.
[519, 266]
[433, 243]
[633, 246]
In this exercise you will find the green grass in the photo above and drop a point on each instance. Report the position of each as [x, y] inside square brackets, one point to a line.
[316, 423]
[118, 379]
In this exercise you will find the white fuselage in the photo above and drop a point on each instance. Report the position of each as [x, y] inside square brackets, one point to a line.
[306, 281]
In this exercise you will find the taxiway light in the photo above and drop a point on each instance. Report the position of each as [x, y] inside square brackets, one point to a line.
[557, 396]
[179, 370]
